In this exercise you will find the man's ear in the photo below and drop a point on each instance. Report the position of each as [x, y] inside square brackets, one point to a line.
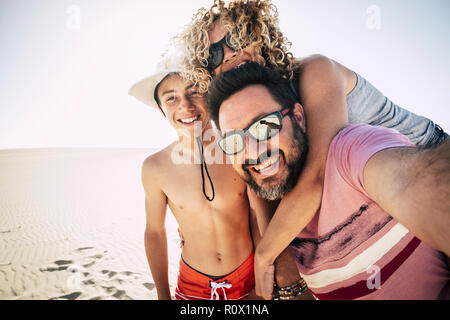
[299, 114]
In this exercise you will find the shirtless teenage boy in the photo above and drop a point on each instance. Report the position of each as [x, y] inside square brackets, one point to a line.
[217, 255]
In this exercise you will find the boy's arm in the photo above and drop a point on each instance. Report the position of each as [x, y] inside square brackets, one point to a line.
[155, 238]
[258, 220]
[323, 86]
[413, 186]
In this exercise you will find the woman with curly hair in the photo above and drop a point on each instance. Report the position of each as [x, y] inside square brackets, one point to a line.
[229, 35]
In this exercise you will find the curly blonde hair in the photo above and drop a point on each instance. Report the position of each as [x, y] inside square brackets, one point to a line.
[249, 22]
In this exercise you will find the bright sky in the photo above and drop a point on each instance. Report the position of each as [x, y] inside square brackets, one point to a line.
[66, 66]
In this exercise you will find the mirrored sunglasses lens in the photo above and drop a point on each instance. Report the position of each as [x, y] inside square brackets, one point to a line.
[215, 56]
[232, 144]
[265, 128]
[232, 44]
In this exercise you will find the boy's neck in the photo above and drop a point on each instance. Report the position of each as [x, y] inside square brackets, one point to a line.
[189, 143]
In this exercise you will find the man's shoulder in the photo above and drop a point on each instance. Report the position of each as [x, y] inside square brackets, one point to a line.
[355, 144]
[356, 132]
[359, 128]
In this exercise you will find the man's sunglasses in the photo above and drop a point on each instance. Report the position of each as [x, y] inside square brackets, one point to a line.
[262, 129]
[216, 53]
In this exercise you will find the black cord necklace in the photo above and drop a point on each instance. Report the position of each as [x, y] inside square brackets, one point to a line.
[200, 149]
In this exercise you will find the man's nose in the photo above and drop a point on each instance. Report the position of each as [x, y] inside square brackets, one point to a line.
[253, 150]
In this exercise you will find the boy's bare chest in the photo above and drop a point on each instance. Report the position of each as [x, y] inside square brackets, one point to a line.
[183, 185]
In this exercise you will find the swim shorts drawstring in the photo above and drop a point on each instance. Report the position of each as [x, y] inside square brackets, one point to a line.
[219, 285]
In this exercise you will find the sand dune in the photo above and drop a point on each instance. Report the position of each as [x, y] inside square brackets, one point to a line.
[72, 224]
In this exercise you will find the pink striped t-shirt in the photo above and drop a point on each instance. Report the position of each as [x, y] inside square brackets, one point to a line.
[352, 249]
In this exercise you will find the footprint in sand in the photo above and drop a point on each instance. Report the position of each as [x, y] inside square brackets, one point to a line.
[63, 262]
[97, 256]
[53, 269]
[84, 248]
[10, 230]
[149, 286]
[70, 296]
[121, 294]
[90, 264]
[60, 266]
[116, 293]
[109, 273]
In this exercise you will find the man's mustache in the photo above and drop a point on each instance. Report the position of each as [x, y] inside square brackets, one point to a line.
[261, 158]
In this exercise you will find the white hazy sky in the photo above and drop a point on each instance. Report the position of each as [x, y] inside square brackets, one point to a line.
[66, 66]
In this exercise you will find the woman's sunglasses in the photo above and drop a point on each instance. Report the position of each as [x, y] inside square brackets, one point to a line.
[216, 53]
[262, 129]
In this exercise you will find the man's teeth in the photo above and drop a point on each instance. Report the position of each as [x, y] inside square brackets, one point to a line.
[189, 120]
[265, 165]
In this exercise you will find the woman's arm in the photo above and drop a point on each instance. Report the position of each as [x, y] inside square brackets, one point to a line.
[323, 85]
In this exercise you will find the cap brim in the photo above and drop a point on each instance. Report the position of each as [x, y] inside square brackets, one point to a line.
[144, 90]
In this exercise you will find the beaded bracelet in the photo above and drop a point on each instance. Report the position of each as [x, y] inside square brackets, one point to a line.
[290, 292]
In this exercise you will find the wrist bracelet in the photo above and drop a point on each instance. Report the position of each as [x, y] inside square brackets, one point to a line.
[290, 292]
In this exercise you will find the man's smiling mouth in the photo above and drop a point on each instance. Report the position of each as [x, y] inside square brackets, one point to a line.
[266, 166]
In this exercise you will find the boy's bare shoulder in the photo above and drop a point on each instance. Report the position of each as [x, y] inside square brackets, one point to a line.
[155, 164]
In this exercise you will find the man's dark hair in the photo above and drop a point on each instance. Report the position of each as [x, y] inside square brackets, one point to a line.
[235, 80]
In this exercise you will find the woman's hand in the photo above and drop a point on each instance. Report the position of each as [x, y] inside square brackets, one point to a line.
[264, 277]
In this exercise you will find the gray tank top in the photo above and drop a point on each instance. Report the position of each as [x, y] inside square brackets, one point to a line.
[366, 104]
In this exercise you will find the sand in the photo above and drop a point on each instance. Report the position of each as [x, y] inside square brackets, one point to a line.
[72, 225]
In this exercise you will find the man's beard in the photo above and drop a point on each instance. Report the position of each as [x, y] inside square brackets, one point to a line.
[298, 151]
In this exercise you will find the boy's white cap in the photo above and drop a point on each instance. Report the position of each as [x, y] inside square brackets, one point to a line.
[144, 90]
